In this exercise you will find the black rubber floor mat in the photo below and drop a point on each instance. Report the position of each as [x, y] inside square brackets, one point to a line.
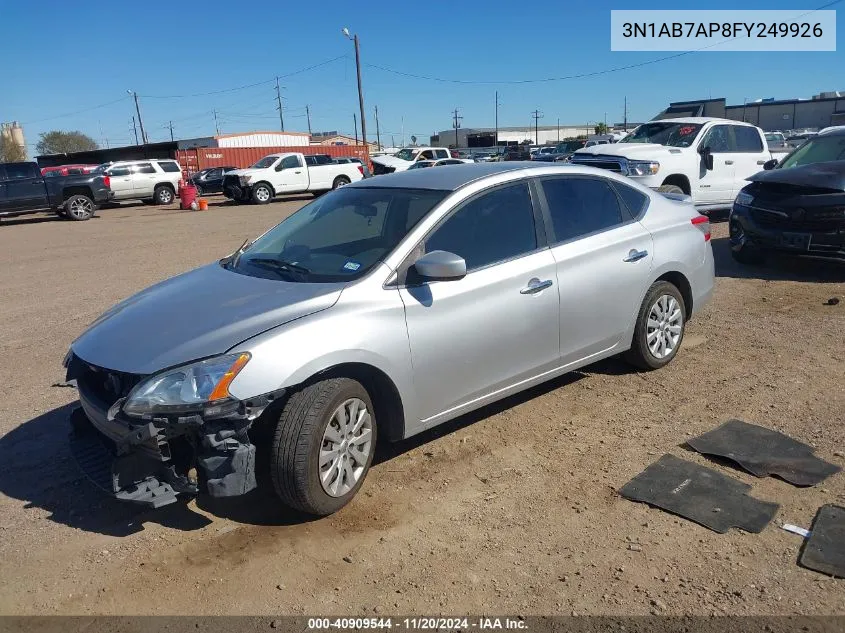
[699, 494]
[824, 551]
[764, 452]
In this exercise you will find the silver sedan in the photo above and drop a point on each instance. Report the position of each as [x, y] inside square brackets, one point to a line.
[376, 312]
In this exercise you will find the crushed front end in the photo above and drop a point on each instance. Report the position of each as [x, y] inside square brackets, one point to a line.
[236, 188]
[151, 458]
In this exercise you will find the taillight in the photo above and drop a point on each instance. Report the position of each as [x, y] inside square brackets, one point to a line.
[361, 169]
[107, 181]
[702, 223]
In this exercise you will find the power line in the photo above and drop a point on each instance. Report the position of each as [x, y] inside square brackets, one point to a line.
[60, 116]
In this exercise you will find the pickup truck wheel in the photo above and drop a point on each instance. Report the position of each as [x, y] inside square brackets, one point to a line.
[79, 207]
[323, 446]
[340, 181]
[163, 195]
[261, 193]
[660, 327]
[670, 189]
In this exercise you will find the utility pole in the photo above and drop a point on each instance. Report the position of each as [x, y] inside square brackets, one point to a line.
[625, 114]
[354, 39]
[279, 105]
[171, 130]
[392, 141]
[378, 133]
[135, 129]
[558, 129]
[140, 120]
[744, 102]
[456, 124]
[216, 126]
[605, 122]
[496, 140]
[537, 116]
[355, 123]
[308, 115]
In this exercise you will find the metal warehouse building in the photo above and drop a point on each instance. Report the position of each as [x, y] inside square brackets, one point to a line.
[823, 110]
[485, 136]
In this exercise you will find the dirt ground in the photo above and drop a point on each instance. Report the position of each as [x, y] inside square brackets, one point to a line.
[511, 510]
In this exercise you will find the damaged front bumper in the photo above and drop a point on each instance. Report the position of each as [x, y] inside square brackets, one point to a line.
[151, 461]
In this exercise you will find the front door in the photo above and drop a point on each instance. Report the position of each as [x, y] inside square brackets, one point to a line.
[144, 177]
[291, 175]
[716, 186]
[120, 182]
[494, 328]
[750, 155]
[25, 187]
[603, 258]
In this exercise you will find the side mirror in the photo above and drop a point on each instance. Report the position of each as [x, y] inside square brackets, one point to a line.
[770, 164]
[707, 157]
[441, 266]
[280, 167]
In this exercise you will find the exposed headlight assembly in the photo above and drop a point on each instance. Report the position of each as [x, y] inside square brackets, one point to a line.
[744, 199]
[642, 168]
[186, 389]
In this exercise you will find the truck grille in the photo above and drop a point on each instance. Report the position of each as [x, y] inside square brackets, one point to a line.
[379, 169]
[602, 162]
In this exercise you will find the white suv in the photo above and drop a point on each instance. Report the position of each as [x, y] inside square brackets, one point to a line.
[156, 180]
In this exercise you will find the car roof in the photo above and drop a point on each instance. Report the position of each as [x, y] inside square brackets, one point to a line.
[453, 177]
[699, 120]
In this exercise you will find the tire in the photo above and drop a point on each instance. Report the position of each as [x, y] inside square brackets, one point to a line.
[199, 190]
[298, 441]
[262, 193]
[671, 189]
[79, 208]
[660, 295]
[163, 194]
[340, 181]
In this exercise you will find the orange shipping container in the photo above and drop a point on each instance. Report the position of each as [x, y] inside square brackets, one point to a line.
[193, 160]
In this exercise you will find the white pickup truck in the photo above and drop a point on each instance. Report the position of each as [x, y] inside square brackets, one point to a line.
[707, 159]
[404, 158]
[286, 173]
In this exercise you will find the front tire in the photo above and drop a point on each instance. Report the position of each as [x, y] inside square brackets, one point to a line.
[340, 181]
[660, 327]
[163, 195]
[261, 193]
[670, 189]
[323, 446]
[79, 208]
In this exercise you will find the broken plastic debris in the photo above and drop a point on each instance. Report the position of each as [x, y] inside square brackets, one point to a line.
[796, 530]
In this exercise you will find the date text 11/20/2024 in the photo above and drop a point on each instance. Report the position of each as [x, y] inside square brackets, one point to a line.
[419, 623]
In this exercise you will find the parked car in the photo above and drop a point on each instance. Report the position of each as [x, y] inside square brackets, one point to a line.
[516, 152]
[24, 190]
[561, 152]
[344, 160]
[707, 159]
[776, 141]
[439, 163]
[155, 180]
[290, 172]
[796, 206]
[210, 180]
[312, 160]
[356, 320]
[67, 170]
[406, 157]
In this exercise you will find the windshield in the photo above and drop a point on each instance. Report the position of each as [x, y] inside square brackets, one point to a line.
[775, 137]
[665, 133]
[819, 149]
[265, 162]
[338, 237]
[406, 154]
[100, 169]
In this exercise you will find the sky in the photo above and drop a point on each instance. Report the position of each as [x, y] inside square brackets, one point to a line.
[69, 65]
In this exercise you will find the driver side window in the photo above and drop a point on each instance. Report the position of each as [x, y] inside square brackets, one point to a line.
[719, 139]
[289, 162]
[426, 155]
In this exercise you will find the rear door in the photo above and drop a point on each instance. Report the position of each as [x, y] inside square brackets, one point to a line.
[717, 185]
[603, 257]
[121, 182]
[750, 155]
[25, 187]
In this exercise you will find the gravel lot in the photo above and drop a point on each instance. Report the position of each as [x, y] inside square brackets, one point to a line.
[511, 509]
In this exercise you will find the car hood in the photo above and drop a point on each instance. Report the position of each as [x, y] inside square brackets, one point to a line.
[829, 175]
[635, 151]
[392, 161]
[194, 315]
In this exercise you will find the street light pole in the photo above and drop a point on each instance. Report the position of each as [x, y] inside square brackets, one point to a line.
[354, 39]
[140, 121]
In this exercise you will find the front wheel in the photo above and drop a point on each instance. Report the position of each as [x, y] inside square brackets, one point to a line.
[670, 189]
[660, 327]
[261, 193]
[79, 208]
[323, 446]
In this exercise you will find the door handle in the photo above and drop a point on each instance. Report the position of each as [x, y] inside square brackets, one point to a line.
[534, 286]
[297, 172]
[761, 162]
[729, 162]
[635, 255]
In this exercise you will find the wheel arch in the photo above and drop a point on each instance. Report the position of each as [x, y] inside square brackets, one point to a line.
[264, 182]
[79, 190]
[680, 281]
[679, 180]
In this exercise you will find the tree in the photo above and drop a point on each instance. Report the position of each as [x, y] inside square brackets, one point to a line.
[601, 128]
[58, 142]
[10, 152]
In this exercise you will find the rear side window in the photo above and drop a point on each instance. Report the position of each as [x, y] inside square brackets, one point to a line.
[144, 168]
[636, 201]
[19, 171]
[581, 206]
[118, 171]
[493, 227]
[747, 139]
[170, 167]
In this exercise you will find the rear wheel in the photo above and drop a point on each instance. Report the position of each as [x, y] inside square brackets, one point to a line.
[323, 445]
[79, 208]
[340, 181]
[660, 327]
[261, 193]
[163, 194]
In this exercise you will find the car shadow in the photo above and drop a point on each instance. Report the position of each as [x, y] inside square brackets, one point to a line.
[777, 267]
[31, 219]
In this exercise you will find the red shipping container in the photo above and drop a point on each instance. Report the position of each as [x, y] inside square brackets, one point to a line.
[193, 160]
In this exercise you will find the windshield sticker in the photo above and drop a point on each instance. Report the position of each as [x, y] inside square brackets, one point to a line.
[350, 265]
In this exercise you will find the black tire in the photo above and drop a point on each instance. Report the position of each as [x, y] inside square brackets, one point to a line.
[295, 451]
[640, 355]
[670, 189]
[262, 193]
[163, 194]
[748, 255]
[79, 208]
[199, 190]
[340, 181]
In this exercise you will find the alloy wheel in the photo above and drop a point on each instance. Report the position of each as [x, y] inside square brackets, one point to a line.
[80, 208]
[664, 326]
[346, 447]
